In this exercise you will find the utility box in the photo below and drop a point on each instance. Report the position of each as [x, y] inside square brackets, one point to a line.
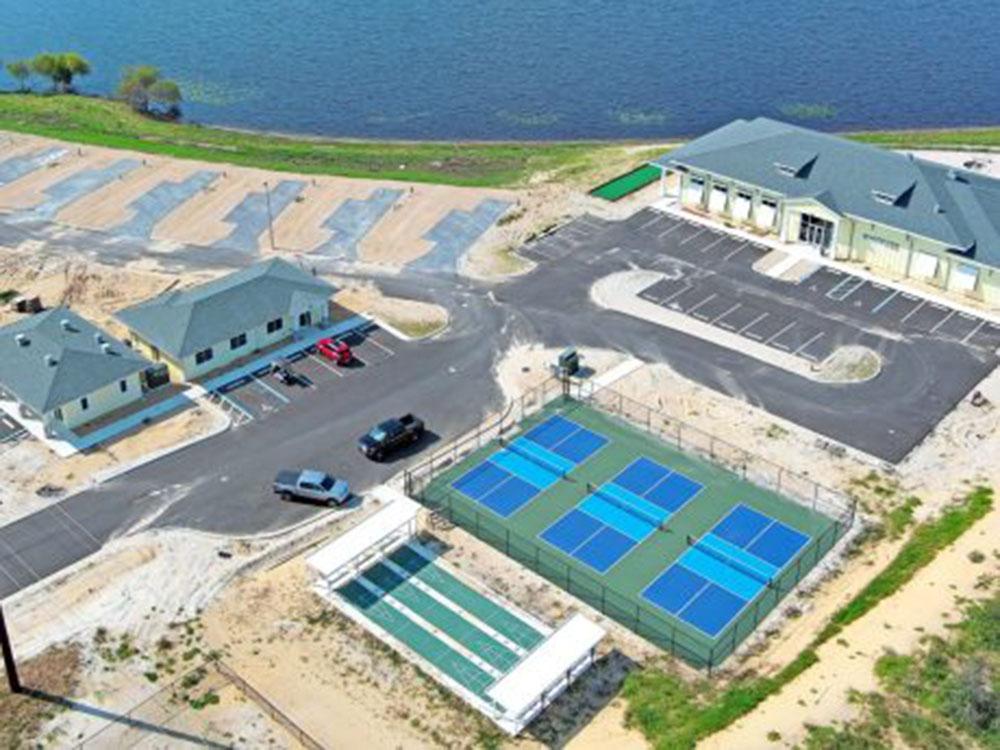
[30, 305]
[568, 363]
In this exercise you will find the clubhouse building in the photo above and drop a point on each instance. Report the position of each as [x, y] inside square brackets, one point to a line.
[897, 214]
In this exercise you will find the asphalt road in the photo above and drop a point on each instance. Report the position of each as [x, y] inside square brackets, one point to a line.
[222, 485]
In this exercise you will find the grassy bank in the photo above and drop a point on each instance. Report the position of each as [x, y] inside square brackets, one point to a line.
[672, 713]
[100, 122]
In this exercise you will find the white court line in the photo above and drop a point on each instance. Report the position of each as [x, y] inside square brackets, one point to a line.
[973, 332]
[693, 236]
[885, 302]
[815, 338]
[783, 330]
[283, 397]
[943, 320]
[709, 298]
[907, 316]
[734, 308]
[319, 361]
[737, 251]
[710, 245]
[753, 322]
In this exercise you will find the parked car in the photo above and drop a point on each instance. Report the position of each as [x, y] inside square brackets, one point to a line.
[391, 435]
[317, 486]
[336, 351]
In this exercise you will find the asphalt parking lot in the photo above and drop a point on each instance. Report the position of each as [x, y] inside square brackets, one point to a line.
[261, 395]
[830, 293]
[10, 430]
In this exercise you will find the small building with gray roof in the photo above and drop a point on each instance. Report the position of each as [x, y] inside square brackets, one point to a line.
[62, 368]
[898, 214]
[201, 329]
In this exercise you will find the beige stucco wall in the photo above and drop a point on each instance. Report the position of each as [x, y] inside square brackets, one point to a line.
[101, 402]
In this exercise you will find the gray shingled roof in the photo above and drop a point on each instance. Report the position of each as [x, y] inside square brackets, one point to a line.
[958, 208]
[186, 321]
[61, 359]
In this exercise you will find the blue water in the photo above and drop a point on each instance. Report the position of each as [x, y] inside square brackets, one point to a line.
[556, 69]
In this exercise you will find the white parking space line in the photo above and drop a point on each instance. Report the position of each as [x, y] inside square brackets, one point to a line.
[907, 316]
[674, 228]
[678, 293]
[886, 301]
[941, 322]
[734, 308]
[973, 332]
[789, 327]
[752, 323]
[737, 251]
[281, 396]
[813, 340]
[321, 363]
[709, 298]
[384, 348]
[73, 531]
[712, 244]
[21, 561]
[699, 233]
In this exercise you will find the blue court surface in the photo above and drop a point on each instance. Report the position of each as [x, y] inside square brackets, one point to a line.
[619, 515]
[513, 476]
[726, 569]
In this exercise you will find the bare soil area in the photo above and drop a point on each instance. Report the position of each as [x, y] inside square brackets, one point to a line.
[412, 318]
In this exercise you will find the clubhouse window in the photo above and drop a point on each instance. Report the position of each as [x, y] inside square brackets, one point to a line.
[238, 341]
[275, 325]
[203, 356]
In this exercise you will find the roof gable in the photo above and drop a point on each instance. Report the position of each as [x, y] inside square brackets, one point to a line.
[182, 322]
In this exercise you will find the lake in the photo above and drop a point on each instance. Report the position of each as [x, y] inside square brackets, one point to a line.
[464, 69]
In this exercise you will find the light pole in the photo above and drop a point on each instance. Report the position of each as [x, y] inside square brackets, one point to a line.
[270, 221]
[9, 665]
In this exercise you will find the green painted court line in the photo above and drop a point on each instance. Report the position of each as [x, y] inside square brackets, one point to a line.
[627, 183]
[454, 625]
[435, 651]
[485, 609]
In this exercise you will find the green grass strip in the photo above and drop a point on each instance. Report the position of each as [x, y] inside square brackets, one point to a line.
[628, 183]
[674, 714]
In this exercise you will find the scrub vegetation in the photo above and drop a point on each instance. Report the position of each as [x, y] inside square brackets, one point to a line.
[674, 713]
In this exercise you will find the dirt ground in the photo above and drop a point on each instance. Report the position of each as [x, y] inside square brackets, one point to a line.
[412, 318]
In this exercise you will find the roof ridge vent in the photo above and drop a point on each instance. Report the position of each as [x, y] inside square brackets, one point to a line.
[938, 208]
[952, 174]
[65, 324]
[106, 347]
[99, 337]
[50, 360]
[22, 339]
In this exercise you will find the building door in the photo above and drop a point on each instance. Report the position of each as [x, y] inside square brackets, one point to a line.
[815, 231]
[305, 319]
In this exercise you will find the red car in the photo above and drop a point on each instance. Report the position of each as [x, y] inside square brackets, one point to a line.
[337, 351]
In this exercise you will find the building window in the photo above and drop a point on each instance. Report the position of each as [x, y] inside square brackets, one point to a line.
[203, 356]
[84, 404]
[305, 319]
[123, 385]
[237, 341]
[275, 325]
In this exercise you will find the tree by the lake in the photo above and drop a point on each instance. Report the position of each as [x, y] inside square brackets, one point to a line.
[20, 71]
[61, 68]
[148, 92]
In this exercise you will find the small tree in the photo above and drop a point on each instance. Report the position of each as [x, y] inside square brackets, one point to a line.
[61, 68]
[142, 86]
[20, 70]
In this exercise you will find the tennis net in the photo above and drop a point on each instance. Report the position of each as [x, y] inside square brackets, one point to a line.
[622, 505]
[513, 447]
[730, 561]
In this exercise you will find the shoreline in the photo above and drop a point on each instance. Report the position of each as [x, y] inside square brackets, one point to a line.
[100, 121]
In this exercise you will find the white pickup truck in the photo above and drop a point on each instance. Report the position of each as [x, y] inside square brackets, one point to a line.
[317, 486]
